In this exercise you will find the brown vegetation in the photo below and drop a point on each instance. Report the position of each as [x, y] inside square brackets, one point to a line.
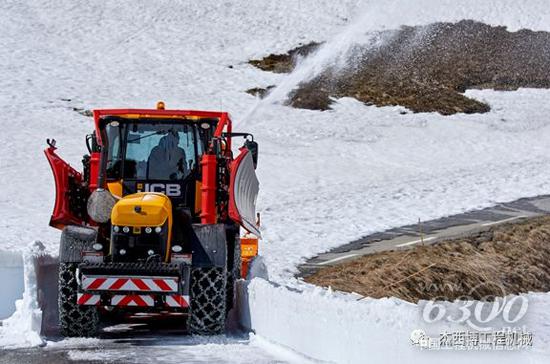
[507, 259]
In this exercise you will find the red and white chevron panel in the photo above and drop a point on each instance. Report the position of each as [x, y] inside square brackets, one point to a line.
[177, 300]
[87, 299]
[134, 284]
[135, 300]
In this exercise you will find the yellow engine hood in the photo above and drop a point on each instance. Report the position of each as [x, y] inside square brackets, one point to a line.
[142, 209]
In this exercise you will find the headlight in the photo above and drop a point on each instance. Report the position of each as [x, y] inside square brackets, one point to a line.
[126, 229]
[148, 230]
[176, 248]
[150, 252]
[158, 229]
[97, 247]
[116, 229]
[122, 251]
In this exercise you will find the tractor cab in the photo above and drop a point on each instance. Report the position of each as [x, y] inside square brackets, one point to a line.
[156, 155]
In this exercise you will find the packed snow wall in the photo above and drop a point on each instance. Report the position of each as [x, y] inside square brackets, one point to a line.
[336, 327]
[11, 271]
[33, 296]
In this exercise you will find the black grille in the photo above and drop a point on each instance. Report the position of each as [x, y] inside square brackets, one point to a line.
[138, 245]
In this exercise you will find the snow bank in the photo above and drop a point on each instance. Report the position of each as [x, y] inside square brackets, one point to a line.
[11, 271]
[336, 327]
[23, 327]
[33, 313]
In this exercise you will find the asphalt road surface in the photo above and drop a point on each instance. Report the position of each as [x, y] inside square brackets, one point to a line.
[431, 232]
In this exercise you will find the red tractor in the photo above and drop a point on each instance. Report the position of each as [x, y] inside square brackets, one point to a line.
[153, 223]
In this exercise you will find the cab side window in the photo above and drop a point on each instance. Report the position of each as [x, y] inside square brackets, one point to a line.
[114, 158]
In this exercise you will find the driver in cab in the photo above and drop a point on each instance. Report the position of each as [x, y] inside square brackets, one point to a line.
[167, 159]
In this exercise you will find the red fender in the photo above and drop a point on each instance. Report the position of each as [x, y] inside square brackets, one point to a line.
[62, 171]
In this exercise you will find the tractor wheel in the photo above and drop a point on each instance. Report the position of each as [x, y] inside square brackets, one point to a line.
[233, 275]
[208, 295]
[74, 320]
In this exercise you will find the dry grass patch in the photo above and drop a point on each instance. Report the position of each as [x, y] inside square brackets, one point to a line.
[507, 259]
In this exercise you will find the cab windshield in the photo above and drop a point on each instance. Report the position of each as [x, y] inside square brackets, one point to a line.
[152, 150]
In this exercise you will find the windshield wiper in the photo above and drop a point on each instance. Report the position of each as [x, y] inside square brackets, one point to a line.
[150, 135]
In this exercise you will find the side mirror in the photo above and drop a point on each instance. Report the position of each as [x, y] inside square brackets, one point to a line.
[252, 146]
[216, 146]
[249, 144]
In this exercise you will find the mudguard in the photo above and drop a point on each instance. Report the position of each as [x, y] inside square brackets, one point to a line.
[75, 240]
[62, 173]
[243, 191]
[209, 245]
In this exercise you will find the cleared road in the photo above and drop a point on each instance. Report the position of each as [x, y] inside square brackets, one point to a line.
[431, 232]
[151, 342]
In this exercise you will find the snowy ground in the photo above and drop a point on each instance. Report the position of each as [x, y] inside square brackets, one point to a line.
[326, 177]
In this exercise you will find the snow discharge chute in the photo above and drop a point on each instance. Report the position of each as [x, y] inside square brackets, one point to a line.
[243, 191]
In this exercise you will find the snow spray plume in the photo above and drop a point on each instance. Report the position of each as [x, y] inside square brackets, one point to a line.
[335, 52]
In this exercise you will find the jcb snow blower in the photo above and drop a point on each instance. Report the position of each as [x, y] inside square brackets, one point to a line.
[153, 222]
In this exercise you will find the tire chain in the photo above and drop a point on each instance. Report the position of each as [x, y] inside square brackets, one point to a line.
[233, 275]
[74, 320]
[208, 288]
